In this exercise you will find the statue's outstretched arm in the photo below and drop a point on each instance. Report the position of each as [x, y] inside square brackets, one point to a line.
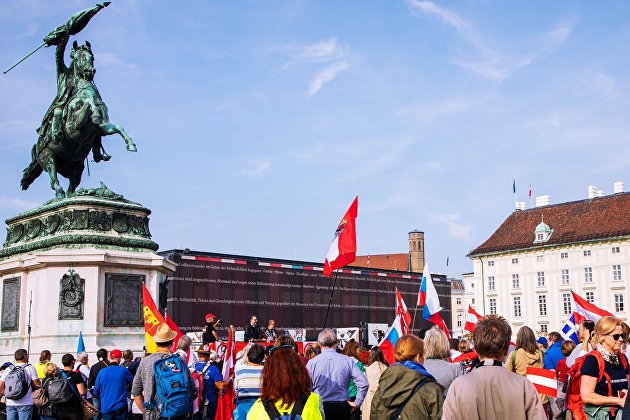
[61, 47]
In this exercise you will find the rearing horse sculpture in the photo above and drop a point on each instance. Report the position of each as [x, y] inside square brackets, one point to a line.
[74, 123]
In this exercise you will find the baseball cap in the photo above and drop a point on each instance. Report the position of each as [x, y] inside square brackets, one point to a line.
[542, 340]
[210, 316]
[115, 354]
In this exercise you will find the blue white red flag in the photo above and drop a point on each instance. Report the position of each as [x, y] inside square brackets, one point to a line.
[401, 310]
[392, 335]
[587, 309]
[430, 302]
[569, 331]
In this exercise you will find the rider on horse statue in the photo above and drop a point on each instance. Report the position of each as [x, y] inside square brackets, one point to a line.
[77, 119]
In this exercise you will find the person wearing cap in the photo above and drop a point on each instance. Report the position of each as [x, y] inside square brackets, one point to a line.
[144, 382]
[542, 343]
[212, 381]
[209, 333]
[111, 388]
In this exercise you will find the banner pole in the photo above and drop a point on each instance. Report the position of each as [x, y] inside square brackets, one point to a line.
[332, 290]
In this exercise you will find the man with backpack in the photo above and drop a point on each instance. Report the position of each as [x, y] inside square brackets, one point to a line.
[16, 384]
[71, 408]
[212, 382]
[162, 387]
[111, 388]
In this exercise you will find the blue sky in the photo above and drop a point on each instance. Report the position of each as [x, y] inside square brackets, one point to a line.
[258, 122]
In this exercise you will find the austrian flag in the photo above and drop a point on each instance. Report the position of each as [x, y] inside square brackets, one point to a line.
[343, 249]
[471, 319]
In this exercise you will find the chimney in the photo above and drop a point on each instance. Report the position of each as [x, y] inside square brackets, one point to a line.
[618, 187]
[416, 251]
[542, 201]
[520, 205]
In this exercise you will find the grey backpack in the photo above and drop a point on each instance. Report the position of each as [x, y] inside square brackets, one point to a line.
[16, 383]
[59, 390]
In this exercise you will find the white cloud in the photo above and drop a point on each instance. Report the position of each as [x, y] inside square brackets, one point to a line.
[455, 228]
[258, 168]
[324, 76]
[329, 53]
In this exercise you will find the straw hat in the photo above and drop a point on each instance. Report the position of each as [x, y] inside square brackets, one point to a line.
[164, 334]
[205, 349]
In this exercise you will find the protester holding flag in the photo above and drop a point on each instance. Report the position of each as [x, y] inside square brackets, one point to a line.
[406, 389]
[586, 341]
[607, 394]
[527, 354]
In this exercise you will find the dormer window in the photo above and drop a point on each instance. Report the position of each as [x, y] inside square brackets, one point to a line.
[542, 233]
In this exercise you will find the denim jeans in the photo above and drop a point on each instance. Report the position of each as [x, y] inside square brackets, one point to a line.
[121, 414]
[96, 402]
[19, 412]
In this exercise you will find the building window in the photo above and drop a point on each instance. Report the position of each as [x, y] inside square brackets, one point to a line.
[566, 304]
[541, 279]
[517, 306]
[516, 282]
[491, 284]
[459, 320]
[539, 258]
[564, 255]
[615, 250]
[588, 274]
[565, 276]
[544, 328]
[590, 297]
[458, 301]
[493, 306]
[491, 263]
[514, 260]
[617, 272]
[619, 302]
[472, 301]
[542, 305]
[587, 253]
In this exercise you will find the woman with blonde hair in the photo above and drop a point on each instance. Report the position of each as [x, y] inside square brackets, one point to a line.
[436, 354]
[376, 366]
[607, 395]
[406, 389]
[527, 354]
[50, 371]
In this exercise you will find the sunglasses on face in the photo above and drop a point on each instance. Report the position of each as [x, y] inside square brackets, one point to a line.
[284, 346]
[616, 337]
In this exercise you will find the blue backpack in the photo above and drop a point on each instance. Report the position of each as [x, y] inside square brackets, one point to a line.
[172, 391]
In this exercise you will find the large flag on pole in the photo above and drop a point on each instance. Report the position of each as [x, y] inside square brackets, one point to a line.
[81, 345]
[401, 310]
[343, 249]
[392, 335]
[169, 321]
[430, 302]
[471, 319]
[569, 331]
[152, 319]
[587, 309]
[225, 403]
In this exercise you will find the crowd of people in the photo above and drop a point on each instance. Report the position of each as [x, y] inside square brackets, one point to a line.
[431, 378]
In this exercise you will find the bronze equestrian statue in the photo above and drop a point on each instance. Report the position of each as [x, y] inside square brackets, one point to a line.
[77, 119]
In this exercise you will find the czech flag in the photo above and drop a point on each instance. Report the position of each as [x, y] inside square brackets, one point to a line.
[392, 335]
[401, 310]
[588, 310]
[471, 319]
[343, 249]
[430, 302]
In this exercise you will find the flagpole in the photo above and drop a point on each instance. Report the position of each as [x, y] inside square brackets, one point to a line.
[332, 290]
[414, 318]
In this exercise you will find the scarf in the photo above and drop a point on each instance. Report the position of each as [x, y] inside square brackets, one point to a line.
[612, 358]
[417, 367]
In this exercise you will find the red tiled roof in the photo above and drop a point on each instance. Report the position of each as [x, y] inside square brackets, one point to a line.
[395, 262]
[577, 221]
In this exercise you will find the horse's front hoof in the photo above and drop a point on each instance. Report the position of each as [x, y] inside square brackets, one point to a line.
[132, 147]
[60, 194]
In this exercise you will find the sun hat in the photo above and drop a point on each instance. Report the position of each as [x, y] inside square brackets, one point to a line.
[164, 334]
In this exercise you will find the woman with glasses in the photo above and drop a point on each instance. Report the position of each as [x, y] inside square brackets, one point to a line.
[286, 388]
[607, 395]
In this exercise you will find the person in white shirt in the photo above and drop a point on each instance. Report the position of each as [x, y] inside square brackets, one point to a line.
[22, 408]
[84, 370]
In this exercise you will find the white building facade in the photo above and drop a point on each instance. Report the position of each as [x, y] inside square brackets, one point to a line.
[458, 308]
[528, 268]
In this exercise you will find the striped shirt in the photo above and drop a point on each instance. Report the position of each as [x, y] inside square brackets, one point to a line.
[247, 380]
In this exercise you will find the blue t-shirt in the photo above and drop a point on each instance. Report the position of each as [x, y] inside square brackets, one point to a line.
[618, 375]
[211, 376]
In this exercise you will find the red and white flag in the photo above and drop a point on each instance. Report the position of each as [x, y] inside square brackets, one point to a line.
[587, 309]
[169, 321]
[343, 249]
[401, 310]
[471, 319]
[225, 402]
[544, 380]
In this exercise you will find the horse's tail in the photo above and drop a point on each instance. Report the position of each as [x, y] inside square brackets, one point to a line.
[32, 171]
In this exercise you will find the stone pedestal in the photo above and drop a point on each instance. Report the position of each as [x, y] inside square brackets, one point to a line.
[77, 265]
